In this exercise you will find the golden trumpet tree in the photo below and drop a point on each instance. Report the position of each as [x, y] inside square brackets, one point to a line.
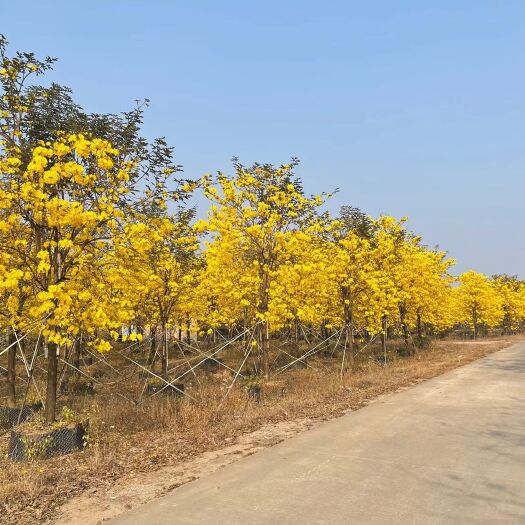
[301, 291]
[428, 292]
[253, 214]
[381, 271]
[422, 284]
[158, 260]
[358, 281]
[511, 291]
[479, 304]
[66, 203]
[16, 292]
[69, 179]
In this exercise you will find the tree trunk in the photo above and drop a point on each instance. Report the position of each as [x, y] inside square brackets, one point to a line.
[264, 327]
[475, 323]
[245, 325]
[11, 369]
[265, 349]
[349, 324]
[384, 335]
[76, 356]
[323, 333]
[51, 392]
[164, 354]
[349, 335]
[404, 326]
[153, 346]
[419, 328]
[188, 333]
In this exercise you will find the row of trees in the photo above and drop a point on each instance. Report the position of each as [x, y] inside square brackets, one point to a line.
[96, 235]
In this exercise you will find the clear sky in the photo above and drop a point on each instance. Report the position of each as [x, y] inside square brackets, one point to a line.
[409, 107]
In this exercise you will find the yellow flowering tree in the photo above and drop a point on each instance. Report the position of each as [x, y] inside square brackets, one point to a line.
[511, 291]
[357, 280]
[478, 302]
[429, 292]
[66, 202]
[158, 259]
[252, 215]
[422, 286]
[301, 288]
[69, 181]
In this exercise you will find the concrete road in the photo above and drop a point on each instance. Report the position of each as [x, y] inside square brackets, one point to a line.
[450, 450]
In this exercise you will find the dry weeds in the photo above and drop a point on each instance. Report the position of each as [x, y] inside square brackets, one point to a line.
[134, 443]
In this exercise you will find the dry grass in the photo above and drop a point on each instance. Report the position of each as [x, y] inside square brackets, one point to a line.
[126, 439]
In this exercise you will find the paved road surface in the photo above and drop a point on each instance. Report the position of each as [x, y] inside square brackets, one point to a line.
[450, 450]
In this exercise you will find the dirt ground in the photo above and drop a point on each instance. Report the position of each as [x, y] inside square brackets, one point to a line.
[137, 455]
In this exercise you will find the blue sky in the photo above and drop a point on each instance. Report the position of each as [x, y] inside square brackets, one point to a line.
[411, 108]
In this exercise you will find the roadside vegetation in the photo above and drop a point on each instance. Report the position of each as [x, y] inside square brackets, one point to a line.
[151, 336]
